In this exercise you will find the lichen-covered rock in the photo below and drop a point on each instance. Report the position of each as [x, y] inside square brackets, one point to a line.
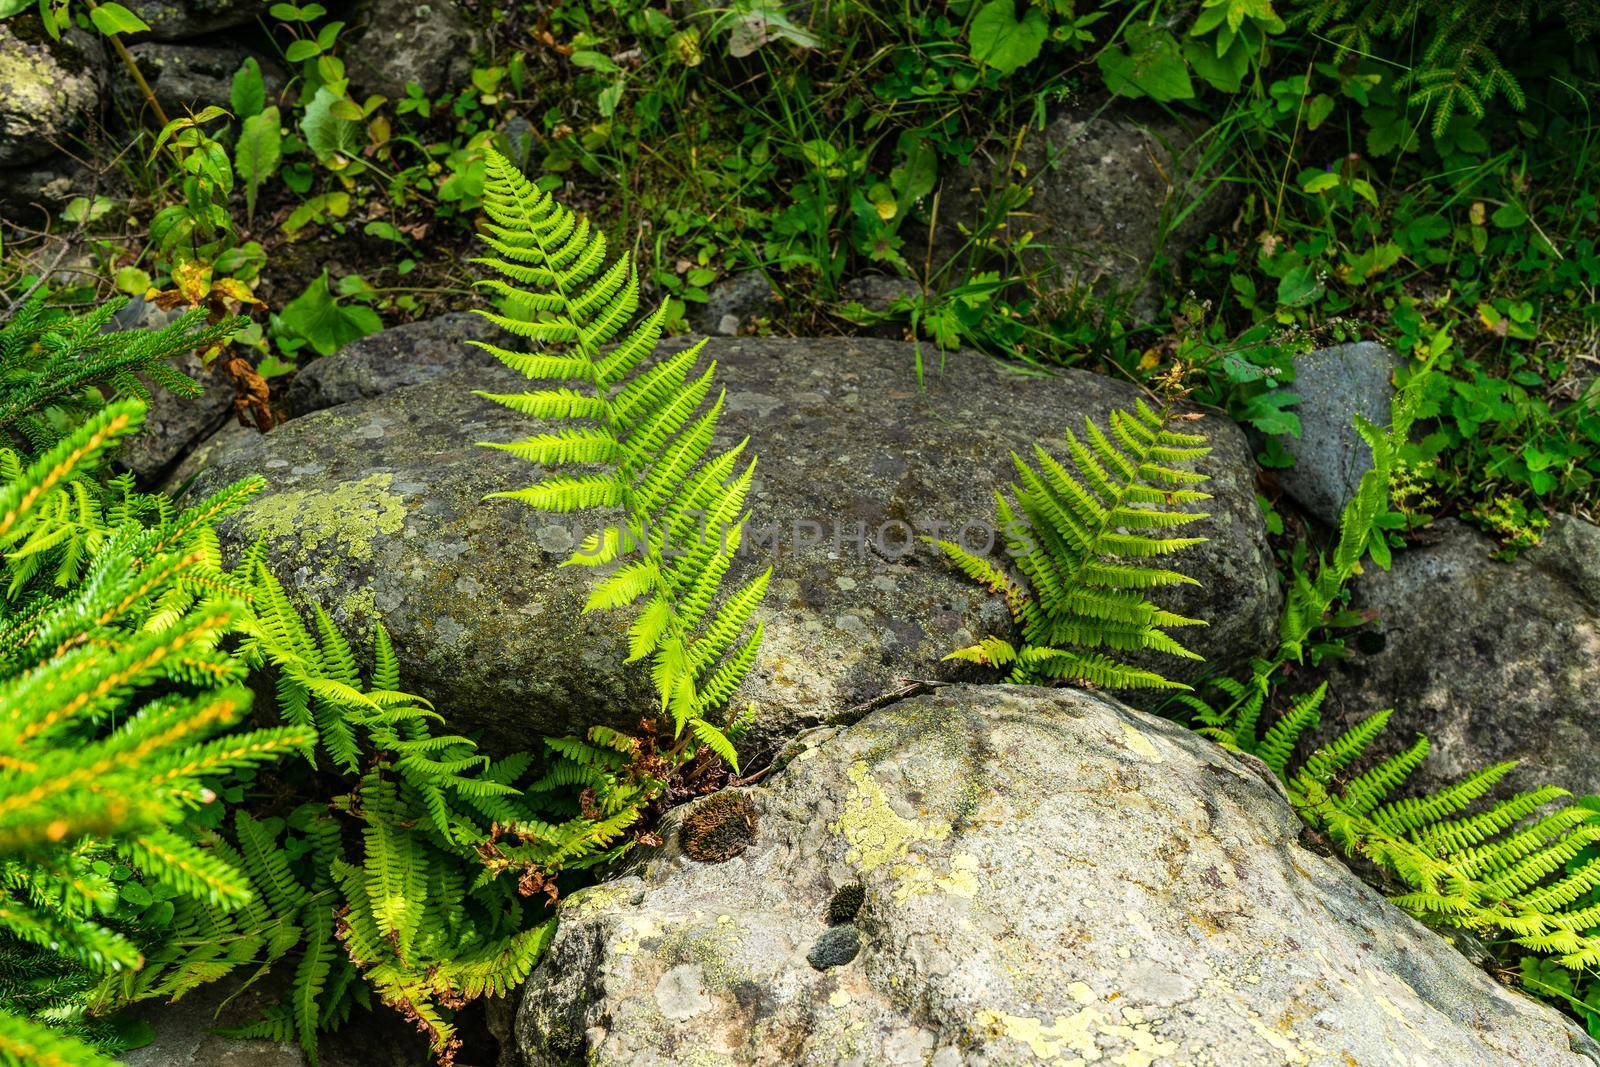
[375, 507]
[187, 77]
[1046, 877]
[428, 42]
[47, 89]
[1106, 187]
[1334, 385]
[1490, 660]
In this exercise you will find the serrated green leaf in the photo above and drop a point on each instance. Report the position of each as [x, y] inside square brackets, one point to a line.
[257, 154]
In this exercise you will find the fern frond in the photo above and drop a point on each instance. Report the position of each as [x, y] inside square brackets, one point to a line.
[647, 427]
[1079, 535]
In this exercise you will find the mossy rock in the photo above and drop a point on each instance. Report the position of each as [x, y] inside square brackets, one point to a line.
[47, 89]
[375, 507]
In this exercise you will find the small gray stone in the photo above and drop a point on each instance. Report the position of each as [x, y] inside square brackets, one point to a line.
[521, 139]
[379, 502]
[1053, 878]
[174, 424]
[1334, 385]
[879, 292]
[835, 947]
[399, 356]
[733, 303]
[1490, 660]
[47, 89]
[1105, 183]
[185, 1032]
[30, 193]
[428, 42]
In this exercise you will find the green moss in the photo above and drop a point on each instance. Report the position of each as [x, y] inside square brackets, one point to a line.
[845, 903]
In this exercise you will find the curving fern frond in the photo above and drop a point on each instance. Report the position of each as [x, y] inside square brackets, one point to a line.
[628, 432]
[1082, 538]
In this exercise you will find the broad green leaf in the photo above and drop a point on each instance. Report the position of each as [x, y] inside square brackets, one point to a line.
[325, 133]
[112, 19]
[1150, 64]
[133, 281]
[11, 7]
[335, 205]
[1300, 286]
[256, 155]
[249, 94]
[1320, 181]
[326, 324]
[1225, 72]
[1000, 40]
[1318, 110]
[763, 23]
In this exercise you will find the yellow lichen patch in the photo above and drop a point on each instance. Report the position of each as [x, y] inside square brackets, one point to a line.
[590, 902]
[876, 833]
[347, 517]
[1088, 1036]
[714, 948]
[1140, 744]
[916, 879]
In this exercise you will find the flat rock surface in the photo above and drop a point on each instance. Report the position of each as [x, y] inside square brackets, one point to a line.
[1024, 876]
[375, 508]
[1490, 660]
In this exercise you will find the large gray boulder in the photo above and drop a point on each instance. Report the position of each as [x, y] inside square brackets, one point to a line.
[1109, 189]
[47, 89]
[375, 508]
[1490, 660]
[1334, 385]
[428, 42]
[998, 875]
